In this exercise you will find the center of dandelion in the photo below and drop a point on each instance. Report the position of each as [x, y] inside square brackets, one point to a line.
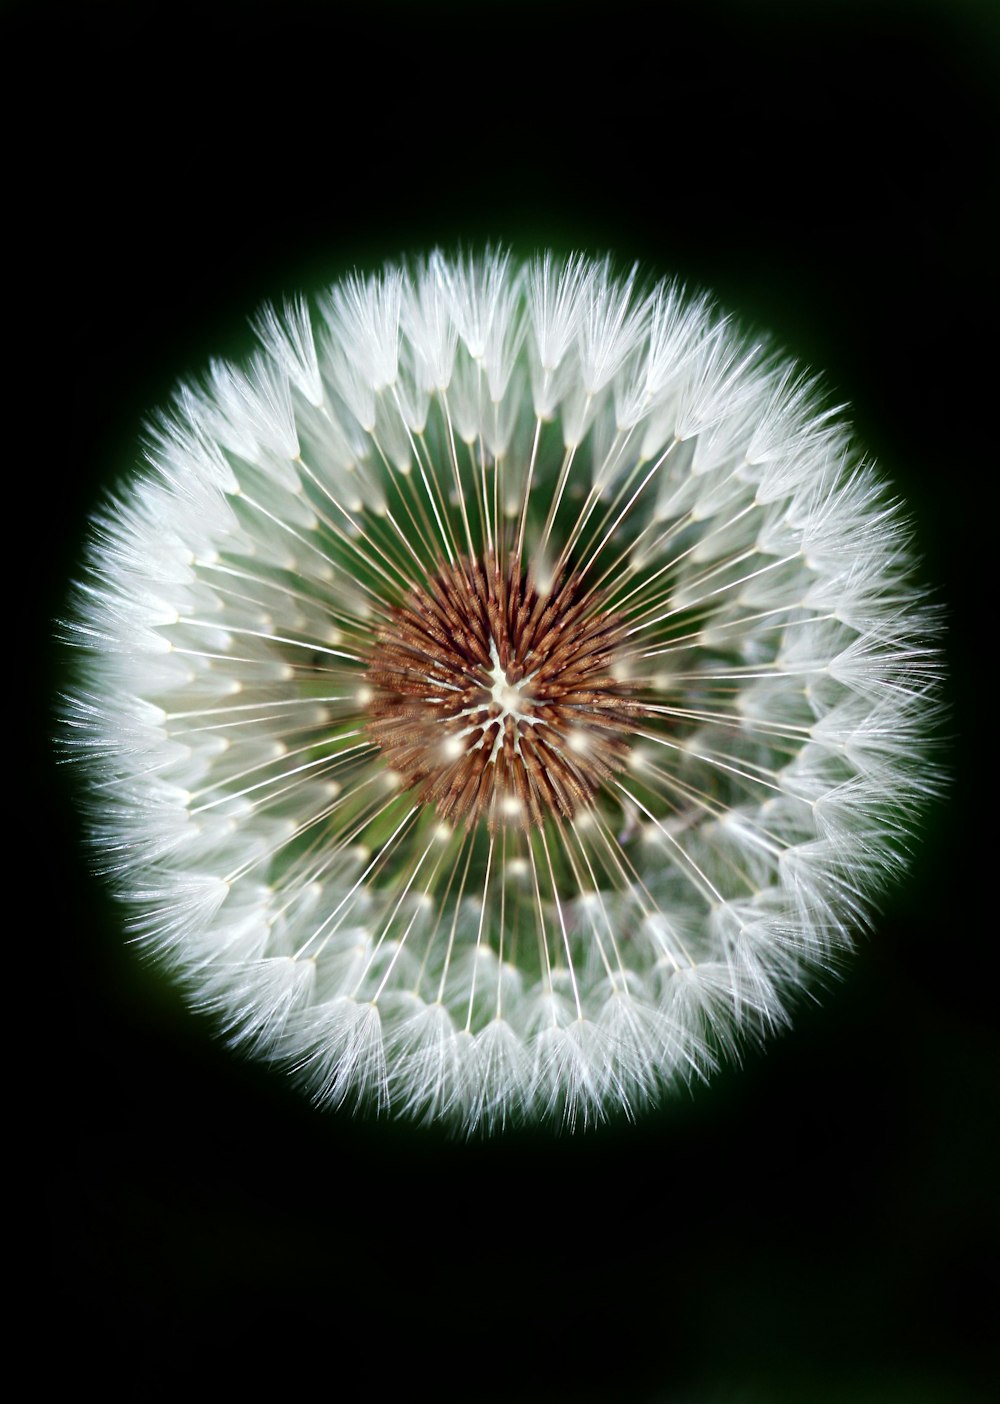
[499, 699]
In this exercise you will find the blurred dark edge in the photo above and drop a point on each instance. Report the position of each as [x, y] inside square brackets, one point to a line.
[815, 1227]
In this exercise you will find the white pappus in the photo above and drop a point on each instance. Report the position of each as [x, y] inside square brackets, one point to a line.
[501, 697]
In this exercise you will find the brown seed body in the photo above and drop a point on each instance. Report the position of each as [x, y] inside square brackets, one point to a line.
[499, 700]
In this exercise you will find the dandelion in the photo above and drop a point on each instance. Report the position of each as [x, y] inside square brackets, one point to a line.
[505, 694]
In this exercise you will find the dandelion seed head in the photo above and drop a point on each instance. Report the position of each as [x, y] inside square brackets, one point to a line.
[501, 698]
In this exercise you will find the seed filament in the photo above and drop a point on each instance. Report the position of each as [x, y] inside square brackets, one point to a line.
[498, 699]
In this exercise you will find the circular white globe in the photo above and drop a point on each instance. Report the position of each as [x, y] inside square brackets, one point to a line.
[503, 695]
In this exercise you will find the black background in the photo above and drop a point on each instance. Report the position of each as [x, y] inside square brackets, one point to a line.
[818, 1225]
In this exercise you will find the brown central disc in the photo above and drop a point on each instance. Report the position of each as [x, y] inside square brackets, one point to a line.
[499, 700]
